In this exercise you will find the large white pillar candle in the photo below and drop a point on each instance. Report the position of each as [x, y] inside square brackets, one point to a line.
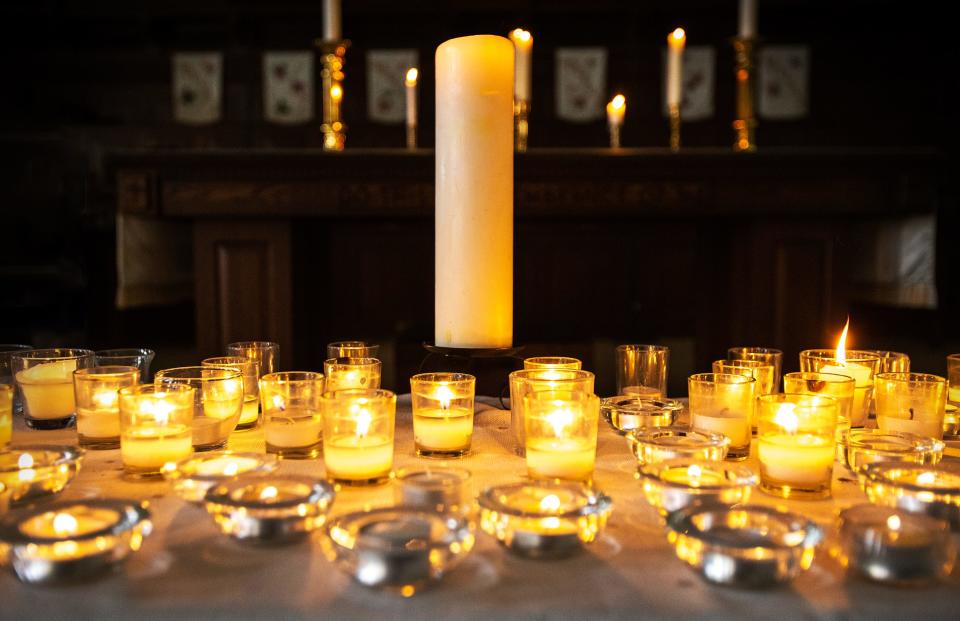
[474, 193]
[332, 29]
[675, 44]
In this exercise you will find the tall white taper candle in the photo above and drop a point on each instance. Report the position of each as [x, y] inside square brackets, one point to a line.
[332, 26]
[748, 19]
[474, 192]
[675, 43]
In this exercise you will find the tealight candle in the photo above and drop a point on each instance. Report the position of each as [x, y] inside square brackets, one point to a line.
[98, 413]
[934, 491]
[860, 365]
[32, 472]
[218, 401]
[673, 485]
[442, 413]
[561, 430]
[796, 447]
[527, 381]
[893, 546]
[155, 427]
[250, 413]
[552, 362]
[193, 477]
[72, 540]
[293, 422]
[911, 402]
[45, 379]
[358, 429]
[723, 403]
[840, 387]
[347, 373]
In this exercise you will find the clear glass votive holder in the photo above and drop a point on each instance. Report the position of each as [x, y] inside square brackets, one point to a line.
[642, 370]
[193, 477]
[442, 413]
[34, 472]
[861, 365]
[293, 418]
[763, 372]
[796, 444]
[6, 415]
[440, 490]
[561, 434]
[840, 387]
[7, 350]
[264, 353]
[155, 427]
[895, 547]
[552, 362]
[358, 432]
[626, 413]
[678, 483]
[218, 401]
[917, 488]
[98, 409]
[45, 380]
[349, 373]
[953, 377]
[139, 357]
[352, 349]
[869, 446]
[653, 445]
[724, 403]
[892, 361]
[911, 402]
[767, 355]
[527, 381]
[250, 414]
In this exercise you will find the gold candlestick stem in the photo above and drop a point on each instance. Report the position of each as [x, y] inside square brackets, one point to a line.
[614, 135]
[411, 137]
[521, 113]
[745, 125]
[332, 58]
[674, 127]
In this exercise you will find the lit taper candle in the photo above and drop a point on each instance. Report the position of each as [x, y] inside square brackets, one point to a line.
[523, 44]
[748, 19]
[410, 87]
[675, 43]
[332, 23]
[616, 110]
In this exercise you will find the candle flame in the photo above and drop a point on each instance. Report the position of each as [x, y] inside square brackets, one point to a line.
[677, 38]
[363, 422]
[231, 469]
[787, 418]
[158, 408]
[64, 524]
[279, 403]
[618, 102]
[336, 92]
[412, 75]
[550, 503]
[519, 34]
[269, 493]
[106, 398]
[25, 463]
[841, 354]
[559, 419]
[927, 478]
[893, 522]
[444, 395]
[693, 474]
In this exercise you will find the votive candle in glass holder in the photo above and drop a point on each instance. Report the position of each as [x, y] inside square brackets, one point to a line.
[676, 484]
[911, 402]
[917, 488]
[293, 419]
[358, 430]
[642, 370]
[652, 445]
[218, 401]
[139, 357]
[250, 414]
[264, 353]
[98, 410]
[625, 413]
[442, 413]
[953, 377]
[767, 355]
[724, 403]
[761, 371]
[6, 414]
[561, 434]
[527, 381]
[155, 427]
[892, 361]
[442, 490]
[951, 423]
[796, 444]
[352, 349]
[7, 350]
[552, 362]
[869, 446]
[45, 379]
[840, 387]
[861, 365]
[348, 373]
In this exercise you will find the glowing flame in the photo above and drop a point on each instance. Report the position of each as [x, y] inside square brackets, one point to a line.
[231, 469]
[105, 399]
[559, 419]
[268, 493]
[336, 92]
[677, 39]
[363, 422]
[158, 408]
[444, 395]
[893, 522]
[278, 403]
[519, 34]
[693, 474]
[25, 463]
[64, 524]
[618, 102]
[927, 478]
[787, 418]
[679, 34]
[841, 354]
[550, 503]
[412, 75]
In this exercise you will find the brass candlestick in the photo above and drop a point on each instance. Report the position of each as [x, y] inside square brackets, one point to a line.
[674, 110]
[745, 124]
[521, 113]
[411, 137]
[332, 58]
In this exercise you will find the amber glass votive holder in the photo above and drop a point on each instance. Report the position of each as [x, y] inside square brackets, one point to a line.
[155, 427]
[352, 349]
[293, 418]
[861, 365]
[552, 362]
[796, 444]
[526, 381]
[358, 432]
[892, 361]
[264, 353]
[763, 372]
[911, 402]
[98, 408]
[349, 373]
[442, 413]
[767, 355]
[250, 414]
[218, 401]
[561, 434]
[642, 370]
[45, 380]
[840, 387]
[724, 403]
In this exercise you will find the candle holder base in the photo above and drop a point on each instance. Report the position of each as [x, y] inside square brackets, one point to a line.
[491, 366]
